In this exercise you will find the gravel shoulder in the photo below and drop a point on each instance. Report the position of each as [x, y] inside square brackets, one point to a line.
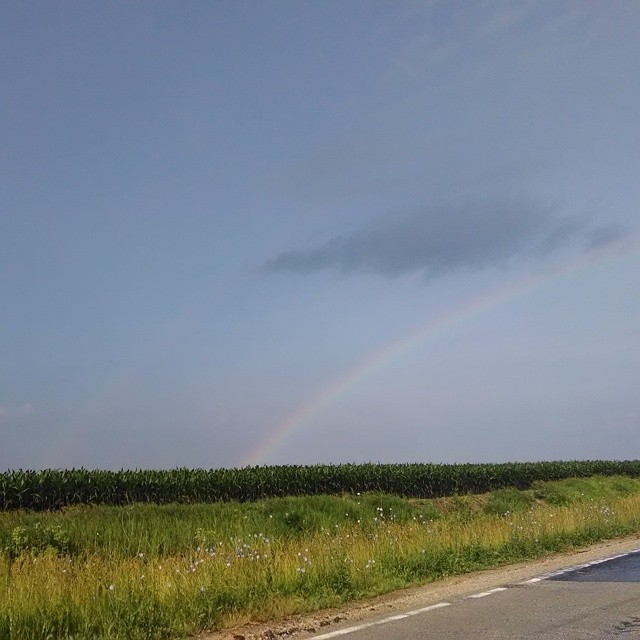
[455, 587]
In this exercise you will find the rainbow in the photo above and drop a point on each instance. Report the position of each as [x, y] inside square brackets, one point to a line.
[469, 309]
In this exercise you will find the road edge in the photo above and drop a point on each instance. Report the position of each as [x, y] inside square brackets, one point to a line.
[327, 621]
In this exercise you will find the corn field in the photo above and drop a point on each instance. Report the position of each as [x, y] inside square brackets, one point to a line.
[57, 488]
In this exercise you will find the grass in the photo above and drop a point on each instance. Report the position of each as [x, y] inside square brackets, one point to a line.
[165, 572]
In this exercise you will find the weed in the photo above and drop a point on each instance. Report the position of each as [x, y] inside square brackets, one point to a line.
[160, 572]
[507, 501]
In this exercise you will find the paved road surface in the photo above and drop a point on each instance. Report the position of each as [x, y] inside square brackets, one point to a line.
[599, 601]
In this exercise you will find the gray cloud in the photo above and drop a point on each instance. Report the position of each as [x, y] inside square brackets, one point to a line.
[440, 241]
[602, 236]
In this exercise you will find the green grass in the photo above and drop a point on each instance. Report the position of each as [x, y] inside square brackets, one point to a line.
[161, 530]
[576, 490]
[167, 571]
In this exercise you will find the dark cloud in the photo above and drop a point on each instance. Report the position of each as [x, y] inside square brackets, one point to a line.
[602, 236]
[563, 233]
[446, 240]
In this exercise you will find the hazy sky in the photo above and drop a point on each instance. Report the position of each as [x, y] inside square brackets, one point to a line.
[297, 232]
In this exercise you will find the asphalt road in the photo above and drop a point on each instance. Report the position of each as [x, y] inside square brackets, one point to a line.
[600, 600]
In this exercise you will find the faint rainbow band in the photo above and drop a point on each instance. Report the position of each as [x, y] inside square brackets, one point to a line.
[341, 385]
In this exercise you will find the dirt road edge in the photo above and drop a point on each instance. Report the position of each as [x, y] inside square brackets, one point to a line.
[303, 626]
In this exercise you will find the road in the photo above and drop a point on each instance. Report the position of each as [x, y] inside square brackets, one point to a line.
[599, 600]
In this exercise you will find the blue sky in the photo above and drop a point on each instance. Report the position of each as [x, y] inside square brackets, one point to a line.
[296, 232]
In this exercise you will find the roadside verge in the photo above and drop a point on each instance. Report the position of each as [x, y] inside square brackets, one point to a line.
[452, 588]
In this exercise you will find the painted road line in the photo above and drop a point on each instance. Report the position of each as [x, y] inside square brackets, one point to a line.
[578, 567]
[483, 594]
[400, 616]
[367, 625]
[415, 612]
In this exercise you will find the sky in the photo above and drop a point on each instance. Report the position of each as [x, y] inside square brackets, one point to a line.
[239, 233]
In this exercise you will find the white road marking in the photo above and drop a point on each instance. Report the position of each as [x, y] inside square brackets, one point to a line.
[366, 625]
[400, 616]
[482, 594]
[577, 567]
[415, 612]
[487, 593]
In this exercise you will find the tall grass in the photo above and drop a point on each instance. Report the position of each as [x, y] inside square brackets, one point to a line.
[147, 571]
